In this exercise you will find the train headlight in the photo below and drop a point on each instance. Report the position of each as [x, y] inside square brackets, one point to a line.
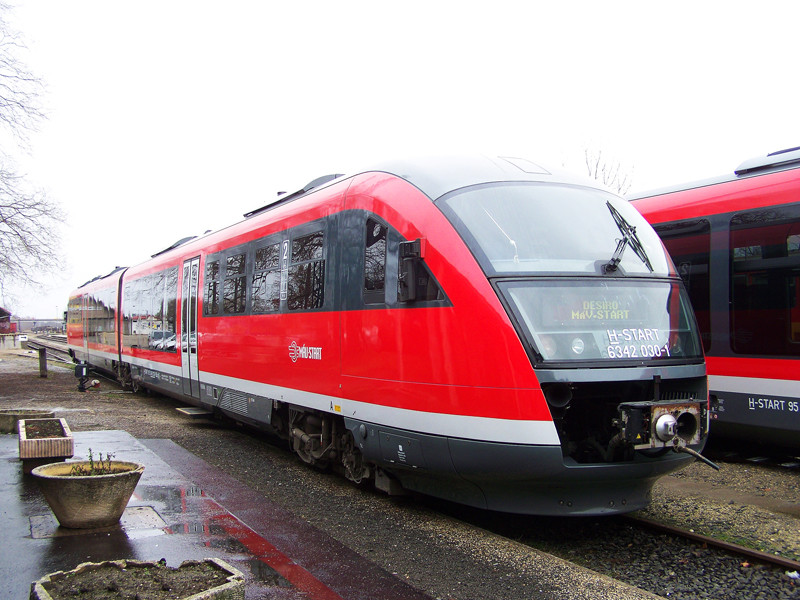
[578, 346]
[558, 395]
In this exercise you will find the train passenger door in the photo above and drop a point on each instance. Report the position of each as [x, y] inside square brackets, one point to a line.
[189, 369]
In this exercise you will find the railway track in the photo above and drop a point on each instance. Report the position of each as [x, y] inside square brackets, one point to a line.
[55, 347]
[665, 560]
[747, 553]
[734, 451]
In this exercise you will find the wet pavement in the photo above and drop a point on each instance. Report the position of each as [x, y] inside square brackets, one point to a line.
[182, 509]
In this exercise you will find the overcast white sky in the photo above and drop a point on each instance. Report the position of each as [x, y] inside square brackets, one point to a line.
[168, 118]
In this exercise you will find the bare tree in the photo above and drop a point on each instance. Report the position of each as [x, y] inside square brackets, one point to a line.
[28, 219]
[19, 89]
[608, 172]
[28, 240]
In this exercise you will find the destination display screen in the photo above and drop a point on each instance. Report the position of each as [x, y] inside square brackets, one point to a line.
[605, 320]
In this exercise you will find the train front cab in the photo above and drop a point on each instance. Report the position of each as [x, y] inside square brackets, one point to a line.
[606, 366]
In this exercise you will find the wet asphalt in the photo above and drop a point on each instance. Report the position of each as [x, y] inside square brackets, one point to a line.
[182, 509]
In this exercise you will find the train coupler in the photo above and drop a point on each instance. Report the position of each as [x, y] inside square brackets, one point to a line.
[652, 425]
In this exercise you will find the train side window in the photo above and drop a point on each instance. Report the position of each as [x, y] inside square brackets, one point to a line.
[162, 289]
[155, 294]
[689, 245]
[211, 296]
[267, 257]
[764, 264]
[375, 262]
[307, 247]
[170, 331]
[129, 311]
[234, 288]
[306, 281]
[101, 322]
[150, 311]
[234, 265]
[74, 310]
[266, 292]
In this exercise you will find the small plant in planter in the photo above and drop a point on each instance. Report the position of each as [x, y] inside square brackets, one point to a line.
[92, 467]
[90, 493]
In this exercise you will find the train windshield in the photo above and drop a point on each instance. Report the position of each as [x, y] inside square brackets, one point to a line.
[517, 227]
[606, 320]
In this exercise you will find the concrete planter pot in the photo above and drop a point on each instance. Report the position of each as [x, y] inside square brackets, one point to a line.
[10, 417]
[43, 441]
[87, 501]
[216, 579]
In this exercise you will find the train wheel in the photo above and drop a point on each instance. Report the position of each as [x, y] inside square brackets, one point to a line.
[310, 438]
[306, 454]
[352, 459]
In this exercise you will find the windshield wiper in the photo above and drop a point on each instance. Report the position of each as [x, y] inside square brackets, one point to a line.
[629, 237]
[508, 237]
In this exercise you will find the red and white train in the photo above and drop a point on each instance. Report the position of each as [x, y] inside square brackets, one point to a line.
[479, 329]
[736, 242]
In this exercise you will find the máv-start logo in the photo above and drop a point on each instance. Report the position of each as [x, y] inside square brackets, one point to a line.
[306, 352]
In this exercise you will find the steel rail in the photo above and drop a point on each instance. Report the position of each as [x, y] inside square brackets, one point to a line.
[53, 352]
[766, 557]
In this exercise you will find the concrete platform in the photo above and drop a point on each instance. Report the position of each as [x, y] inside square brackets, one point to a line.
[182, 509]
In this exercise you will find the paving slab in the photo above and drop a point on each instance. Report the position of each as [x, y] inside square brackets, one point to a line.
[182, 508]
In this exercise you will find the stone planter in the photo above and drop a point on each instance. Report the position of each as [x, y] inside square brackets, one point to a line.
[10, 417]
[43, 441]
[87, 501]
[209, 579]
